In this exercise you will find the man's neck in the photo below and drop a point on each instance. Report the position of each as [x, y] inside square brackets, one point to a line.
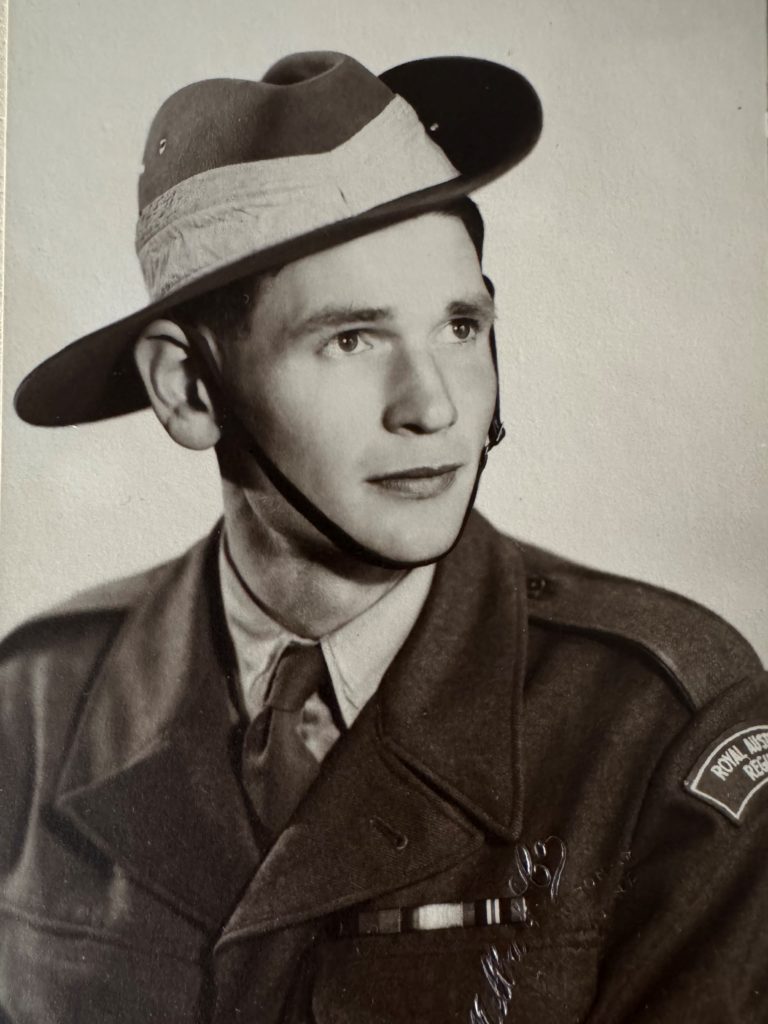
[311, 592]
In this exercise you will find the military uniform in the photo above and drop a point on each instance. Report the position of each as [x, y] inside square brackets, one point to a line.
[552, 810]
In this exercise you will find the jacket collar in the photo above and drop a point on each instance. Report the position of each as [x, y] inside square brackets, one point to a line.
[427, 769]
[452, 705]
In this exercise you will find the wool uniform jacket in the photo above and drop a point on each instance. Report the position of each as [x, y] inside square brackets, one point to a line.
[544, 814]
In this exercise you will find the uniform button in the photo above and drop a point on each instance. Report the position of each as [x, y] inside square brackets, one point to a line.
[538, 587]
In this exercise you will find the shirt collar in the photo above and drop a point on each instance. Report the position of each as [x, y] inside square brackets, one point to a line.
[357, 654]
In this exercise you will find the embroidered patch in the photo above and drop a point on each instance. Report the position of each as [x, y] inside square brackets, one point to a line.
[732, 770]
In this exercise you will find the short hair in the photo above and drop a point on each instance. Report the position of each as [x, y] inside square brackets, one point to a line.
[226, 311]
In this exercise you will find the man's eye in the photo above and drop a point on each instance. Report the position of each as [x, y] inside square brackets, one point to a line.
[465, 329]
[346, 343]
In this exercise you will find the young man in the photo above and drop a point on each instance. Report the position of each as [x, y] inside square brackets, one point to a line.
[357, 756]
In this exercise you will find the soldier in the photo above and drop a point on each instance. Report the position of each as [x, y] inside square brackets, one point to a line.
[357, 756]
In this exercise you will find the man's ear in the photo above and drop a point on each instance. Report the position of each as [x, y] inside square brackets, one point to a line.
[174, 386]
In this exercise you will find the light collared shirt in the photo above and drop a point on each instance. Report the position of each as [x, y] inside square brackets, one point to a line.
[357, 654]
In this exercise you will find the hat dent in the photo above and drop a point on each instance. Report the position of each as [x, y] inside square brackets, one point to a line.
[306, 103]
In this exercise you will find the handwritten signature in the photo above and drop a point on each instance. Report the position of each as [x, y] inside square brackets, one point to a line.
[539, 866]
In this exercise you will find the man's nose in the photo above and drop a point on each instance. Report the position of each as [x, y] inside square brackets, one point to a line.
[420, 401]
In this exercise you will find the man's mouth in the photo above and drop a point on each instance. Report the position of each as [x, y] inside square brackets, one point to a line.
[418, 482]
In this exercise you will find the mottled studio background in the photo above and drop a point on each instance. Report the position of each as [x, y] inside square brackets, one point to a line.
[628, 254]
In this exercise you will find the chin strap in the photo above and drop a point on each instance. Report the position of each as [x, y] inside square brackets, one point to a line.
[496, 431]
[233, 426]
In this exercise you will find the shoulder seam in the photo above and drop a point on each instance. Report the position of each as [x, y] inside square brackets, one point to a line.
[641, 649]
[695, 648]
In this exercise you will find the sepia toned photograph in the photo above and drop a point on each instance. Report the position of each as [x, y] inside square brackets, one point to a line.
[383, 544]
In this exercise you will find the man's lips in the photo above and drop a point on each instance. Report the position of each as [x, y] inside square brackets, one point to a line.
[419, 481]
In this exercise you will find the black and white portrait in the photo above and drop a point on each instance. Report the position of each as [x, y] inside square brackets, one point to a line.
[383, 548]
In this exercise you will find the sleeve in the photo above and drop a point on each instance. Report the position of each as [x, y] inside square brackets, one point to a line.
[688, 939]
[17, 746]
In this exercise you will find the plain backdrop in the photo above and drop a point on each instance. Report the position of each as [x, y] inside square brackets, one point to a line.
[628, 254]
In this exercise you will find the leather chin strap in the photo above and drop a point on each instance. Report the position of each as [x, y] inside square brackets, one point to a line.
[236, 430]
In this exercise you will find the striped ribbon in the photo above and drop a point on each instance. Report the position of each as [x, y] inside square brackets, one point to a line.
[479, 913]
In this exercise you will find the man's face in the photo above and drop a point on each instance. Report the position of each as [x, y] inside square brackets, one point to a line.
[368, 379]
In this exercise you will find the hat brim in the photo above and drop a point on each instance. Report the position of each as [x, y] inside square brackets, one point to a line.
[485, 116]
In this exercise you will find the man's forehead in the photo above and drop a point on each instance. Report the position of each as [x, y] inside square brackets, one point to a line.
[429, 260]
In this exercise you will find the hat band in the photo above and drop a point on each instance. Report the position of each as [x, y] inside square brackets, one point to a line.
[219, 216]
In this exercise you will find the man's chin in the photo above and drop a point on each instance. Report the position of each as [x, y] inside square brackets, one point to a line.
[413, 547]
[411, 532]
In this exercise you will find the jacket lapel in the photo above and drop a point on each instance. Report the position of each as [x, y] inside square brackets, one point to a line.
[430, 766]
[148, 778]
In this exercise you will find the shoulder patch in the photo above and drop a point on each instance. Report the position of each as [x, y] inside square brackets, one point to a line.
[731, 770]
[699, 651]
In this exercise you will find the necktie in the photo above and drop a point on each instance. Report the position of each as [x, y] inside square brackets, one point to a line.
[277, 766]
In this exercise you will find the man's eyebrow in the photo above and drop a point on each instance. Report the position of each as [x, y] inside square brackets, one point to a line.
[339, 316]
[480, 307]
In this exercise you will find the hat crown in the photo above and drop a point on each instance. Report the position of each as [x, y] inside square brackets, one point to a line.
[306, 103]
